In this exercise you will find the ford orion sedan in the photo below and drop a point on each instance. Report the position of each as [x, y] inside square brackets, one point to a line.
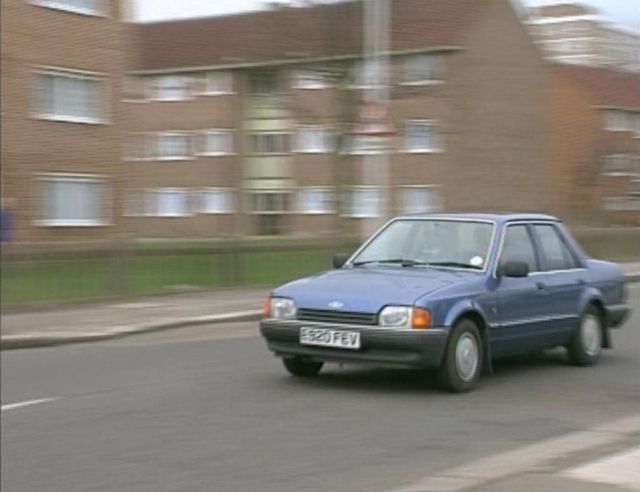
[450, 292]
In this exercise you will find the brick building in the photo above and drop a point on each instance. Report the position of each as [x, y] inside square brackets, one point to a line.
[240, 124]
[576, 34]
[61, 68]
[595, 165]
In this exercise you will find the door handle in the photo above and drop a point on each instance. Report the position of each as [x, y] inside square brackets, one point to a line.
[581, 281]
[541, 285]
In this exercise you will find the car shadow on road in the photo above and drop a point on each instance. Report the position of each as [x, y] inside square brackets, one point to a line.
[400, 380]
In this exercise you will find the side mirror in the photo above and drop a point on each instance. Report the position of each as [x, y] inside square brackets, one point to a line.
[340, 259]
[513, 269]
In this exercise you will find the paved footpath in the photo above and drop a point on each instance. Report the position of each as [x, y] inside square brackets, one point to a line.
[86, 323]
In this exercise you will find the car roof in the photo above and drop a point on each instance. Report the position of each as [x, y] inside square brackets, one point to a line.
[499, 217]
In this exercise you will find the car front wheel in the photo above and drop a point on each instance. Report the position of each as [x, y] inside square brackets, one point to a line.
[462, 362]
[301, 367]
[586, 345]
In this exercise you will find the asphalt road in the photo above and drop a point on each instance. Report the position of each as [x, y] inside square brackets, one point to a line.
[209, 409]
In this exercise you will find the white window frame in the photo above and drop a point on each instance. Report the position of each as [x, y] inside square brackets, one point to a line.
[434, 188]
[78, 178]
[152, 92]
[155, 192]
[156, 146]
[232, 201]
[302, 205]
[423, 150]
[436, 70]
[309, 84]
[65, 7]
[229, 86]
[326, 137]
[104, 95]
[201, 145]
[350, 213]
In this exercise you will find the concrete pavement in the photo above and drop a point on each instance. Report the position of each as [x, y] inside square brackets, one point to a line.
[92, 323]
[192, 409]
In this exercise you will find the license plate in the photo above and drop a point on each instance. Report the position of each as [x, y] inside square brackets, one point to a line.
[325, 337]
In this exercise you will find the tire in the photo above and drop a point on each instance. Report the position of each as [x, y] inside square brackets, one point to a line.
[302, 368]
[462, 364]
[586, 346]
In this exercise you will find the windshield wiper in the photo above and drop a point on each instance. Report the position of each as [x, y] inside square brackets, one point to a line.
[454, 264]
[400, 261]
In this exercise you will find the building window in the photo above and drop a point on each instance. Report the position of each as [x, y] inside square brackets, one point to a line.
[73, 200]
[362, 202]
[316, 200]
[270, 202]
[217, 201]
[420, 199]
[274, 143]
[617, 165]
[168, 202]
[71, 96]
[217, 82]
[362, 145]
[615, 121]
[421, 136]
[86, 7]
[264, 83]
[173, 146]
[170, 88]
[216, 143]
[313, 140]
[312, 79]
[621, 204]
[422, 69]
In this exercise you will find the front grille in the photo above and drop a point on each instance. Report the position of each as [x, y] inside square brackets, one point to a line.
[341, 317]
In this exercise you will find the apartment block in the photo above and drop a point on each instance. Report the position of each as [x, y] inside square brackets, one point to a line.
[61, 68]
[244, 124]
[578, 35]
[595, 165]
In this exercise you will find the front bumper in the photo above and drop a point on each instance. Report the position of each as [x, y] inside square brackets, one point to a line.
[385, 346]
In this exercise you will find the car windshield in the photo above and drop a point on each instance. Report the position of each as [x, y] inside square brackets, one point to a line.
[433, 242]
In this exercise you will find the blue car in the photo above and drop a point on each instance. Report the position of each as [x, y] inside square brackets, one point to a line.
[450, 292]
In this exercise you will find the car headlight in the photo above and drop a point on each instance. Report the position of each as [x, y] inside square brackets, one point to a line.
[405, 317]
[281, 308]
[397, 316]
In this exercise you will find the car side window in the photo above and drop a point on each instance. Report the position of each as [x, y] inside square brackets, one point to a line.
[555, 254]
[518, 246]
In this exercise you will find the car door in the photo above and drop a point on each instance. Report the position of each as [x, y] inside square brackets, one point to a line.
[563, 278]
[521, 301]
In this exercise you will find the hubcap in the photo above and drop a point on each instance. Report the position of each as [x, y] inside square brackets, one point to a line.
[466, 357]
[591, 335]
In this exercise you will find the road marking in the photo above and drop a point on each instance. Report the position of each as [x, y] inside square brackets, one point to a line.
[525, 458]
[619, 469]
[20, 404]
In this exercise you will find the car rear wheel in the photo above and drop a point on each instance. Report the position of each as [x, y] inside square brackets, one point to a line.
[462, 362]
[301, 367]
[586, 345]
